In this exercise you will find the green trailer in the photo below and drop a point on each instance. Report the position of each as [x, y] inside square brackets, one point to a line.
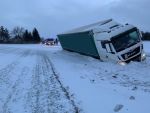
[82, 43]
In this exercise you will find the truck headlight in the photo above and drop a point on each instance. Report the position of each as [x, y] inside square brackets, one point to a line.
[143, 56]
[122, 63]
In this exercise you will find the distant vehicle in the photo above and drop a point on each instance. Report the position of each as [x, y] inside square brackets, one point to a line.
[49, 41]
[106, 40]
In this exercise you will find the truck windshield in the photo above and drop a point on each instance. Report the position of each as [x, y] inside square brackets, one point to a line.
[125, 40]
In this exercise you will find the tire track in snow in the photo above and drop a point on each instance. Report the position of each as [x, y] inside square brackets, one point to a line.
[50, 66]
[124, 79]
[52, 90]
[40, 96]
[10, 50]
[14, 88]
[4, 73]
[35, 92]
[47, 94]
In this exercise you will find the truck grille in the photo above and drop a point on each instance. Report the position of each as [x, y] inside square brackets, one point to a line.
[131, 53]
[136, 58]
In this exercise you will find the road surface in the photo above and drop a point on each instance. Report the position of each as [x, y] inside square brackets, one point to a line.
[30, 84]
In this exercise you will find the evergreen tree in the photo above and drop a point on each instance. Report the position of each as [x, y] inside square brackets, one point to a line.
[6, 35]
[26, 36]
[36, 36]
[146, 35]
[2, 34]
[30, 37]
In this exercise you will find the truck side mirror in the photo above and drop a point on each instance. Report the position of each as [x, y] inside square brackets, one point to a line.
[140, 33]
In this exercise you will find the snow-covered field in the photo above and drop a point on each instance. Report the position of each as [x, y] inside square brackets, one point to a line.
[42, 79]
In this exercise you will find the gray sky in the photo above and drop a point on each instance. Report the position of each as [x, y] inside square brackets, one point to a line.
[51, 17]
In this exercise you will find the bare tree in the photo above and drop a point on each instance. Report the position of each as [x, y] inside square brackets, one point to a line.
[18, 32]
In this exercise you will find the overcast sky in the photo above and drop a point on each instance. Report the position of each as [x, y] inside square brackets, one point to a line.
[51, 17]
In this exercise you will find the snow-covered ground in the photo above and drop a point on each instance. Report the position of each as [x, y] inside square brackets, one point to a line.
[42, 79]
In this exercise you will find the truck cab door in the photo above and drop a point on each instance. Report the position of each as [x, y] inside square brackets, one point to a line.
[110, 52]
[102, 50]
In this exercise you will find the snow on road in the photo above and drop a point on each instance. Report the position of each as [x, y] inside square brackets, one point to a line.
[42, 79]
[28, 83]
[101, 86]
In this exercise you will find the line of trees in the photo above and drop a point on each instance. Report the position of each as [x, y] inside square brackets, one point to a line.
[19, 35]
[146, 35]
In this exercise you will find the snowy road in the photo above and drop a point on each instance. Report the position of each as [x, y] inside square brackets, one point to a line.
[29, 83]
[47, 79]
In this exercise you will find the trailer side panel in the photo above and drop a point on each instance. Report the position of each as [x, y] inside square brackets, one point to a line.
[79, 42]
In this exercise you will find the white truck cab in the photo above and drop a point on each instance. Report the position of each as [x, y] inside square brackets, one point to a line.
[116, 42]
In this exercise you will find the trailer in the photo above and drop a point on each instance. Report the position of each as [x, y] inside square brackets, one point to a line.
[107, 40]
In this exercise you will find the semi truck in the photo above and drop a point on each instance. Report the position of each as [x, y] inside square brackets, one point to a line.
[106, 40]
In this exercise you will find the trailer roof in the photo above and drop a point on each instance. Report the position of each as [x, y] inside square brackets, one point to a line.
[106, 29]
[103, 25]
